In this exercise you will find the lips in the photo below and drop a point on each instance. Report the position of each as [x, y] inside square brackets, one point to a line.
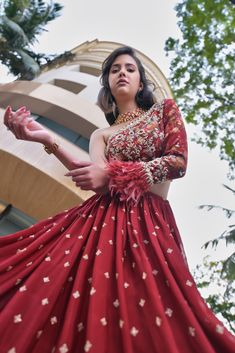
[122, 81]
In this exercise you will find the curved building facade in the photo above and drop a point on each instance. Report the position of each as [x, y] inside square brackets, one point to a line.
[63, 98]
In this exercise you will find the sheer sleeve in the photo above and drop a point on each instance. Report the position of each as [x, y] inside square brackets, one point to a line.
[131, 179]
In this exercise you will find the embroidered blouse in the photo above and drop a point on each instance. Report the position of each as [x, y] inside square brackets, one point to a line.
[151, 149]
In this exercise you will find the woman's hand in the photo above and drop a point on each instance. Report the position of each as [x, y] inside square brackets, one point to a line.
[24, 127]
[90, 176]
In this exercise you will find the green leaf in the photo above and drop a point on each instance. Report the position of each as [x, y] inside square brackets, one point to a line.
[205, 49]
[20, 25]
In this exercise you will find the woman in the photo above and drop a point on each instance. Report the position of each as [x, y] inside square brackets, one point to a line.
[109, 276]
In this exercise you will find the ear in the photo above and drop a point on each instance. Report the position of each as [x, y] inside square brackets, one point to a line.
[141, 86]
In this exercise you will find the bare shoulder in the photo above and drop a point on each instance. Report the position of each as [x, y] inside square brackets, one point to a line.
[100, 135]
[103, 133]
[97, 134]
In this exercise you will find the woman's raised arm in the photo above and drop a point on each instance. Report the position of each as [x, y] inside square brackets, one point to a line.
[24, 127]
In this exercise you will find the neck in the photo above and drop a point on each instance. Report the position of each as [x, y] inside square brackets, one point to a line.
[129, 116]
[125, 107]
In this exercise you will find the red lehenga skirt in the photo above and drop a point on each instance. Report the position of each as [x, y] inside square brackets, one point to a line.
[104, 277]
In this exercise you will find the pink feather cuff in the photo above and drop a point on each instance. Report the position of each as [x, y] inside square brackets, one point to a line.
[129, 180]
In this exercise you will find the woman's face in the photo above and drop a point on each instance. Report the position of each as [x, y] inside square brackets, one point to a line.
[124, 78]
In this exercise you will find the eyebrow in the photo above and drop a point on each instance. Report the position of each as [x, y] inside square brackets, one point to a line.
[127, 64]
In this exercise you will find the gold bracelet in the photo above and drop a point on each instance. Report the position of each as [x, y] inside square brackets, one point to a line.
[52, 148]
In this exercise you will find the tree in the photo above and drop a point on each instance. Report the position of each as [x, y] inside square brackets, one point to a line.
[220, 274]
[203, 71]
[21, 22]
[217, 290]
[228, 269]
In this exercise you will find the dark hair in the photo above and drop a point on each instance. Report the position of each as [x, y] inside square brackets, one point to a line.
[144, 98]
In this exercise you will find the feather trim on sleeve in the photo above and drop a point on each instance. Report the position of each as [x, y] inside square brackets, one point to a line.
[129, 180]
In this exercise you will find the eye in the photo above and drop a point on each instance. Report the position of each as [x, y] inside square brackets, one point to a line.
[130, 69]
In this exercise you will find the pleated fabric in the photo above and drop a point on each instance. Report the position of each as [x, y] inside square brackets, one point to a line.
[104, 277]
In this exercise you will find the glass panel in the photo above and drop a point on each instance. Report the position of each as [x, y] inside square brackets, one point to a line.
[12, 220]
[68, 134]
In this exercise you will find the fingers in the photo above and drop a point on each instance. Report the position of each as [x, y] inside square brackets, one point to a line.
[81, 177]
[84, 186]
[10, 116]
[81, 169]
[80, 180]
[18, 123]
[89, 176]
[6, 117]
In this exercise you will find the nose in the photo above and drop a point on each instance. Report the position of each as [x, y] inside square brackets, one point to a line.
[122, 71]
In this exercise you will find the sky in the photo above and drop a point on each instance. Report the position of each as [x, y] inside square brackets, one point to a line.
[146, 28]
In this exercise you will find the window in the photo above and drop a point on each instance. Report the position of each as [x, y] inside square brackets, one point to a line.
[90, 70]
[12, 220]
[68, 134]
[69, 85]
